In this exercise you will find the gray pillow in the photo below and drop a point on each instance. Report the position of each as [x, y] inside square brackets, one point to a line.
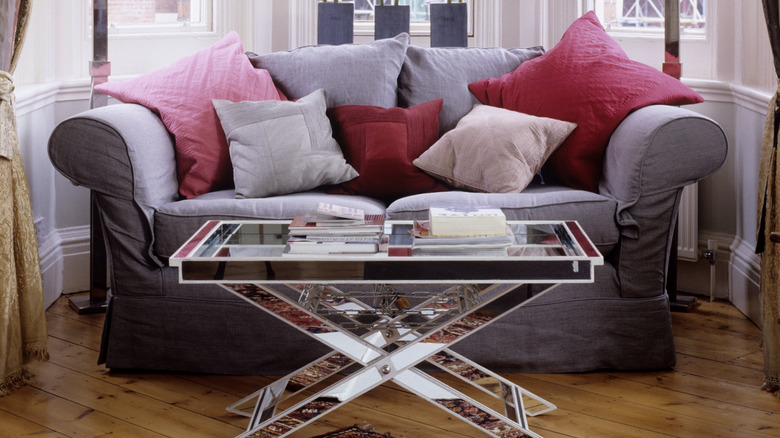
[433, 73]
[280, 147]
[350, 74]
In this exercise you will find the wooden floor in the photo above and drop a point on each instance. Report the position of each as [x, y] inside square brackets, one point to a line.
[712, 392]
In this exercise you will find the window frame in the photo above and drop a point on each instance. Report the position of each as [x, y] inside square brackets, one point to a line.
[205, 25]
[651, 32]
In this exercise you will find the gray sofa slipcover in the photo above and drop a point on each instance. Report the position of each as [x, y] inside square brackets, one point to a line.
[622, 321]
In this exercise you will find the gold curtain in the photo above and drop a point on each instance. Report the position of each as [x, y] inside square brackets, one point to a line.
[769, 188]
[768, 220]
[22, 318]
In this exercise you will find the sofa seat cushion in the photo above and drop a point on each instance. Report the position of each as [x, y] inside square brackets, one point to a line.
[175, 222]
[594, 212]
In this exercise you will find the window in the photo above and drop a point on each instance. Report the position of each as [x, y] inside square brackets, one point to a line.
[158, 16]
[648, 15]
[420, 20]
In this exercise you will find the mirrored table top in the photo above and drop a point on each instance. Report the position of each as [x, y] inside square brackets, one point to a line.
[254, 251]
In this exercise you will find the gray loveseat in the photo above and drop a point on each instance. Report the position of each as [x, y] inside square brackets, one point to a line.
[622, 321]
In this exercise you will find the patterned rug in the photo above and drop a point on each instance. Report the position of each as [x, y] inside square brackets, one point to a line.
[356, 431]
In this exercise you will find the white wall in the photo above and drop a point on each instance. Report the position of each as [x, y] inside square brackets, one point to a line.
[731, 68]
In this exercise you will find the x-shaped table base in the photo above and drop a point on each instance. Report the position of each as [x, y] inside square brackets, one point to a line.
[436, 323]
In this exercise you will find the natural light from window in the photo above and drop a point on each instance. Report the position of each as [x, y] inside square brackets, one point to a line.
[153, 16]
[648, 15]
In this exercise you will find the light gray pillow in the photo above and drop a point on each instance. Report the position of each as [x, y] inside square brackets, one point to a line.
[433, 73]
[280, 147]
[350, 74]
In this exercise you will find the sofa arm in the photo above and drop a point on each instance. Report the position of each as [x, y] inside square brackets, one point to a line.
[651, 156]
[126, 156]
[118, 150]
[659, 148]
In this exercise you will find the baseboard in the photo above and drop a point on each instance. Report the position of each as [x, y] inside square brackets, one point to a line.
[64, 256]
[50, 254]
[737, 274]
[75, 255]
[745, 279]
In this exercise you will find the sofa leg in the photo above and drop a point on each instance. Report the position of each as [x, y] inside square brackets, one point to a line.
[98, 268]
[676, 303]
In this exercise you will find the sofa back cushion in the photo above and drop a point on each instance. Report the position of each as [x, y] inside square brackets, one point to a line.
[434, 73]
[350, 74]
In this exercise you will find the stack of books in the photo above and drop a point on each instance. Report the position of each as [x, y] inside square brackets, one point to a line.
[335, 229]
[456, 230]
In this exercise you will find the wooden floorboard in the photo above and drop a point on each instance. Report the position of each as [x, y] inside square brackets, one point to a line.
[713, 391]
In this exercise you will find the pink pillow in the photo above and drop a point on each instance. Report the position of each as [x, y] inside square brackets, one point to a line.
[381, 143]
[182, 92]
[586, 79]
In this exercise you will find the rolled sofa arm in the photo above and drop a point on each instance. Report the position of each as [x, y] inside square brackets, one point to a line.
[651, 156]
[126, 155]
[120, 150]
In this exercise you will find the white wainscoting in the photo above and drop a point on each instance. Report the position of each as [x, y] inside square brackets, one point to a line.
[727, 208]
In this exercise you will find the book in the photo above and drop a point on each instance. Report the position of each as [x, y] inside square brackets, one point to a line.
[424, 243]
[464, 220]
[303, 226]
[332, 247]
[339, 211]
[327, 214]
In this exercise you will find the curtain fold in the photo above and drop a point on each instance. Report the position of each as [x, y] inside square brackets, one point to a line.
[768, 220]
[22, 316]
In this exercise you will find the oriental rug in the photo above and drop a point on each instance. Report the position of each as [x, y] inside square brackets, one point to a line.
[356, 431]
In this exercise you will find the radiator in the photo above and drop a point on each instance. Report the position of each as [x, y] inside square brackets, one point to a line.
[688, 224]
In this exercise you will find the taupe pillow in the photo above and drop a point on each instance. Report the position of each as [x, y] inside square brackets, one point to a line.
[280, 147]
[494, 150]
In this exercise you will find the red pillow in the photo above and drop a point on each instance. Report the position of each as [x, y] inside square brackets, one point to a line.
[586, 79]
[381, 143]
[181, 94]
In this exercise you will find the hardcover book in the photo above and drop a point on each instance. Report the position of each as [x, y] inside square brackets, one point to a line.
[463, 220]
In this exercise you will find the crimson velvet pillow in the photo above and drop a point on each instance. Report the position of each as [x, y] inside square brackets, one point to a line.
[586, 79]
[381, 143]
[181, 94]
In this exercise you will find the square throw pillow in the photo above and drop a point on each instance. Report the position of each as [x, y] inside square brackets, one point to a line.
[350, 74]
[280, 147]
[380, 143]
[586, 79]
[434, 73]
[181, 94]
[494, 150]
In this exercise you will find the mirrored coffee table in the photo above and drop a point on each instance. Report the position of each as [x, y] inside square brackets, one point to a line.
[383, 314]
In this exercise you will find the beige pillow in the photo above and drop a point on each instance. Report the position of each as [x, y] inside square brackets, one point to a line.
[494, 150]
